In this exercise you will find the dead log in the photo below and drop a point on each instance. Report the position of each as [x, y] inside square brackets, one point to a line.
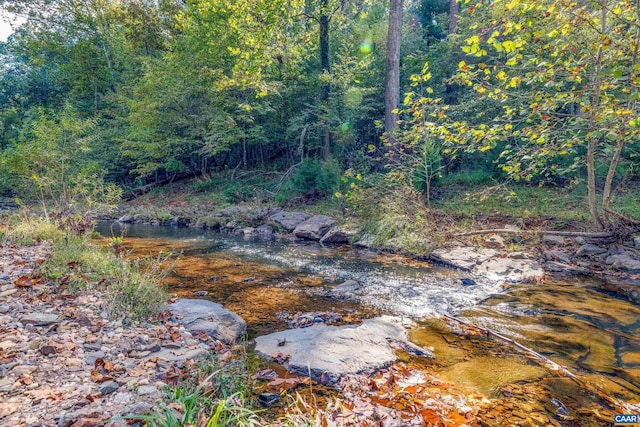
[594, 235]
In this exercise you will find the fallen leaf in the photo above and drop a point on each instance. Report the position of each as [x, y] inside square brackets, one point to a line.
[98, 377]
[24, 282]
[138, 371]
[265, 374]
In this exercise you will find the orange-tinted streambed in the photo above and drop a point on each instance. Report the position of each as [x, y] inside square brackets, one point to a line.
[593, 334]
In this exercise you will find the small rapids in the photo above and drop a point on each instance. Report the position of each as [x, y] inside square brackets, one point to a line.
[396, 285]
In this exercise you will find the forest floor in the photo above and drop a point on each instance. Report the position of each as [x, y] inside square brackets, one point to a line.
[63, 362]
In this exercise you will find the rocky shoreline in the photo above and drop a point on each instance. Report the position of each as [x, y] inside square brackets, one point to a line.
[63, 363]
[615, 266]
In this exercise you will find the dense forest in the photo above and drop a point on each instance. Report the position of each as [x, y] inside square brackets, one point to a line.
[100, 96]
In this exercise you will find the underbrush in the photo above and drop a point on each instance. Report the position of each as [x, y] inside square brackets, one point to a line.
[210, 393]
[398, 219]
[131, 289]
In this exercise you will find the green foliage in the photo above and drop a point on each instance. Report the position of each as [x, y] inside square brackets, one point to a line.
[53, 163]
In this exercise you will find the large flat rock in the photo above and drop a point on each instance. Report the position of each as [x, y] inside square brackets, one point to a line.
[199, 315]
[510, 270]
[339, 350]
[465, 257]
[491, 264]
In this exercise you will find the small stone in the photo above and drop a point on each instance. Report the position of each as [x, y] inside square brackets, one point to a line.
[24, 369]
[139, 354]
[6, 345]
[147, 389]
[109, 387]
[268, 399]
[200, 293]
[46, 350]
[73, 362]
[39, 319]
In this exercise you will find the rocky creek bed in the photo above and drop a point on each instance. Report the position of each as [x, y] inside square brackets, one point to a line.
[63, 364]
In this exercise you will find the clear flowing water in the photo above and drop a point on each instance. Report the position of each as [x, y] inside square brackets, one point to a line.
[593, 334]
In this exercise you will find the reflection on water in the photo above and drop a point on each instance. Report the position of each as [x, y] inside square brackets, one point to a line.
[593, 334]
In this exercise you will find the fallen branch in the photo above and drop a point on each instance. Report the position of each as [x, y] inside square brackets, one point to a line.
[622, 217]
[595, 235]
[545, 361]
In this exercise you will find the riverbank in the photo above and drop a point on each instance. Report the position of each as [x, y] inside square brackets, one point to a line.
[522, 249]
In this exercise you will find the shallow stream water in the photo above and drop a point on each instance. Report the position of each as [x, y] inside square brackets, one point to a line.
[593, 334]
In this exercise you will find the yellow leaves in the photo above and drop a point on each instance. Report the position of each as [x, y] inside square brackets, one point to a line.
[514, 82]
[509, 46]
[233, 50]
[473, 40]
[508, 127]
[484, 148]
[463, 66]
[501, 75]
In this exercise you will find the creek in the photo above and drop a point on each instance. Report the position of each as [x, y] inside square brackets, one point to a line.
[592, 333]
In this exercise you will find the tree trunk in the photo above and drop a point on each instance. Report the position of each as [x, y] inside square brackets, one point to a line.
[596, 83]
[453, 16]
[392, 81]
[325, 64]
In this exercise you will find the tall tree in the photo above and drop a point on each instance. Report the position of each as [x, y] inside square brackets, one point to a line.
[392, 76]
[453, 16]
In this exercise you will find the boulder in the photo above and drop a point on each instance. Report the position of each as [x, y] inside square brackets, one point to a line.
[265, 231]
[590, 249]
[330, 352]
[314, 228]
[200, 315]
[636, 242]
[289, 220]
[465, 257]
[335, 236]
[625, 262]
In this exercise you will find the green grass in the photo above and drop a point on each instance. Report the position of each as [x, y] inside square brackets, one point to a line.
[130, 289]
[518, 201]
[213, 394]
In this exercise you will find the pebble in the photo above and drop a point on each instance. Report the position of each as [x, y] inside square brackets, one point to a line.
[147, 389]
[109, 387]
[39, 319]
